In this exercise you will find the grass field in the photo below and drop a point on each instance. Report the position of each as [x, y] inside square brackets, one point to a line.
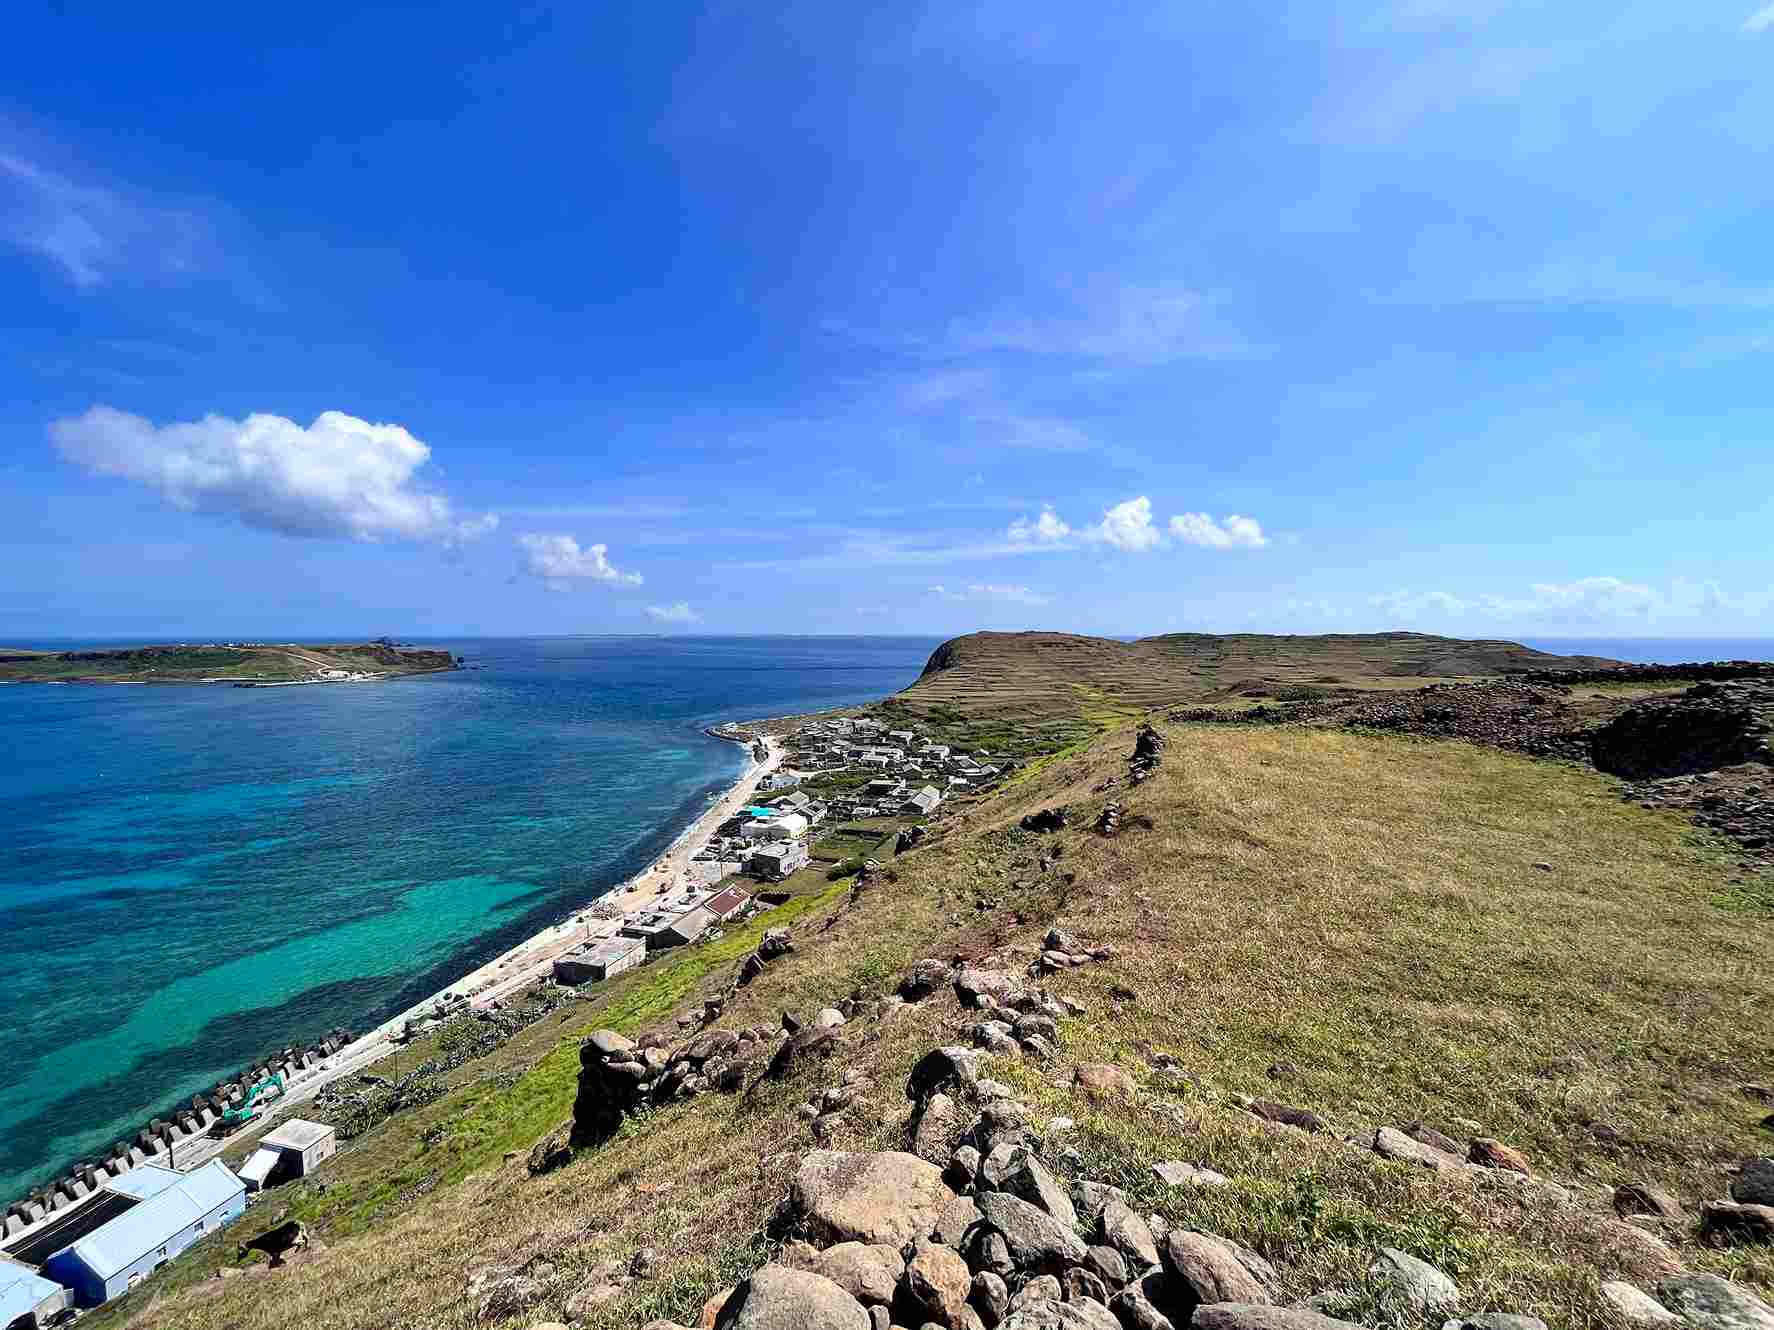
[1368, 909]
[186, 664]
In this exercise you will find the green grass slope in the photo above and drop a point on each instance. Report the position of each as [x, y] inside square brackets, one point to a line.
[1369, 909]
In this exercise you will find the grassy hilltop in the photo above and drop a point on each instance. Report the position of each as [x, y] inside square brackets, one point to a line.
[259, 662]
[1377, 928]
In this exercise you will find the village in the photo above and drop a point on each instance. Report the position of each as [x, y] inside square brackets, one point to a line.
[831, 792]
[844, 786]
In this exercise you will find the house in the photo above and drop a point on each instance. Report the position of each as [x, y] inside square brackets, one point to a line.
[150, 1215]
[782, 780]
[27, 1300]
[939, 751]
[294, 1150]
[776, 861]
[780, 826]
[593, 962]
[923, 803]
[904, 736]
[660, 929]
[727, 904]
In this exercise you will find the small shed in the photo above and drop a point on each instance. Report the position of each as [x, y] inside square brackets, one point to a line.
[27, 1299]
[294, 1150]
[167, 1212]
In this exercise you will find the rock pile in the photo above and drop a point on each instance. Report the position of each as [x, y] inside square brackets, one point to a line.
[1715, 671]
[1737, 802]
[775, 942]
[618, 1076]
[1710, 725]
[1148, 752]
[1046, 819]
[1109, 823]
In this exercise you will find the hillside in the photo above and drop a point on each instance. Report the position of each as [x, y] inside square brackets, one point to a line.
[1390, 993]
[1066, 685]
[257, 662]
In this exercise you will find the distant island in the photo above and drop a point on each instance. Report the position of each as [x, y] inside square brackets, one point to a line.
[249, 664]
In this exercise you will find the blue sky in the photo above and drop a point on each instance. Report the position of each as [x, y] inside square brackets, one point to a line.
[1454, 315]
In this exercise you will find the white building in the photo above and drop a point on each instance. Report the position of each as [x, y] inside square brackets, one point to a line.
[783, 826]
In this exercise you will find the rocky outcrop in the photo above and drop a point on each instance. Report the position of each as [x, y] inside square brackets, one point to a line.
[1710, 725]
[887, 1198]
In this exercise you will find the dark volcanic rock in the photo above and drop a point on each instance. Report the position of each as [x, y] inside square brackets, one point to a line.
[1711, 725]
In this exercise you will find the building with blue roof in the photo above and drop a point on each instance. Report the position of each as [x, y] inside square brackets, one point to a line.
[27, 1299]
[164, 1213]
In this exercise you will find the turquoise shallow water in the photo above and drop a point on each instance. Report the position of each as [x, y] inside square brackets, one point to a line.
[191, 875]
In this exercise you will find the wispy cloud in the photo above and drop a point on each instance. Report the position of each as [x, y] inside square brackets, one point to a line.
[1045, 528]
[560, 561]
[93, 232]
[988, 591]
[339, 477]
[677, 612]
[1760, 21]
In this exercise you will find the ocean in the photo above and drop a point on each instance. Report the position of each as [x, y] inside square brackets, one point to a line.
[1657, 650]
[193, 875]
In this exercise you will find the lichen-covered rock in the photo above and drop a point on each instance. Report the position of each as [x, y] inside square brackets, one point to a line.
[1205, 1269]
[937, 1282]
[1640, 1198]
[1728, 1221]
[1414, 1282]
[890, 1197]
[552, 1151]
[937, 1124]
[778, 1298]
[1037, 1242]
[1103, 1080]
[1713, 1303]
[1129, 1235]
[989, 1298]
[1489, 1153]
[868, 1272]
[940, 1068]
[1754, 1183]
[1015, 1169]
[1636, 1307]
[1255, 1316]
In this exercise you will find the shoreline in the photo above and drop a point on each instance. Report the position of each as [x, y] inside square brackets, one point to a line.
[527, 961]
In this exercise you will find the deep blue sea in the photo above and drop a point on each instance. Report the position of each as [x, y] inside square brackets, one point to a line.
[1657, 650]
[191, 875]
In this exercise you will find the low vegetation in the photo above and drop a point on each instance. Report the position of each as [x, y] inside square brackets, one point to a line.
[268, 663]
[1381, 929]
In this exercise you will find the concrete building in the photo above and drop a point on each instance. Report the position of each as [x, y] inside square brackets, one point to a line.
[776, 861]
[150, 1215]
[27, 1299]
[593, 962]
[782, 826]
[727, 904]
[294, 1150]
[923, 803]
[660, 929]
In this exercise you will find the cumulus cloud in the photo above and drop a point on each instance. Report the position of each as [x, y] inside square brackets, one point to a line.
[1760, 21]
[1127, 526]
[339, 477]
[676, 612]
[1047, 529]
[1235, 532]
[560, 561]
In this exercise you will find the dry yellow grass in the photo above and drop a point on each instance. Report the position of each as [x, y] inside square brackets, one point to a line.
[1365, 908]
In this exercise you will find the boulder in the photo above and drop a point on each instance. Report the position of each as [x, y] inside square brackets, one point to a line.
[1255, 1316]
[1289, 1116]
[1015, 1169]
[552, 1151]
[1490, 1153]
[1042, 1288]
[509, 1296]
[1427, 1135]
[1108, 1265]
[1136, 1306]
[1036, 1241]
[1728, 1221]
[1205, 1269]
[1640, 1198]
[1754, 1184]
[924, 978]
[868, 1272]
[1414, 1282]
[711, 1308]
[972, 984]
[778, 1298]
[937, 1282]
[1175, 1173]
[989, 1298]
[1390, 1143]
[938, 1124]
[805, 1044]
[1495, 1321]
[890, 1197]
[950, 1065]
[959, 1215]
[1103, 1080]
[1129, 1235]
[1044, 1315]
[1636, 1307]
[1713, 1303]
[1082, 1284]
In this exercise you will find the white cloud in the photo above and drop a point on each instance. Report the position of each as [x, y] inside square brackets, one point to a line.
[340, 476]
[1047, 529]
[1019, 595]
[1760, 21]
[560, 560]
[94, 232]
[1131, 325]
[1235, 532]
[676, 612]
[1127, 526]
